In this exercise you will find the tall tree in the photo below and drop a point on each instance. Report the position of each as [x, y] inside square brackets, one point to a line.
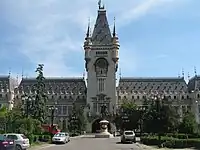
[128, 116]
[166, 120]
[77, 120]
[188, 125]
[40, 111]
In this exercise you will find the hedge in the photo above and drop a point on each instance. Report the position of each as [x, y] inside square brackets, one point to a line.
[182, 136]
[171, 142]
[39, 138]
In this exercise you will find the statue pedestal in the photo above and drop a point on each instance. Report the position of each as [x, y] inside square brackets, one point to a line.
[104, 130]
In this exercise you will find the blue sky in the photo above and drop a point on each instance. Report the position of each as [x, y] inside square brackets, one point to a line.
[158, 37]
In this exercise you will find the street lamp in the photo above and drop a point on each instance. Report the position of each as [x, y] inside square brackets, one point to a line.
[158, 98]
[52, 109]
[74, 120]
[125, 119]
[141, 111]
[28, 102]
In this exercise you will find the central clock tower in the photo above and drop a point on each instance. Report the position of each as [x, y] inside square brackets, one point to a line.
[101, 63]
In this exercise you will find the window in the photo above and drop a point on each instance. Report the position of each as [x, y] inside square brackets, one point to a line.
[101, 84]
[69, 110]
[12, 137]
[2, 137]
[101, 53]
[64, 110]
[59, 110]
[23, 136]
[1, 96]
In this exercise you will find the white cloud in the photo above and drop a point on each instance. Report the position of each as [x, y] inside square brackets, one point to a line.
[53, 30]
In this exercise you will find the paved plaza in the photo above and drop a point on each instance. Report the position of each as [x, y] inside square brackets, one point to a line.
[88, 142]
[91, 143]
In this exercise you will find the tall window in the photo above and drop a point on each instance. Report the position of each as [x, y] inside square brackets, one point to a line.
[101, 84]
[70, 109]
[64, 110]
[59, 110]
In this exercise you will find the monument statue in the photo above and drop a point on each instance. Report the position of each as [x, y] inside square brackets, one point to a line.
[104, 111]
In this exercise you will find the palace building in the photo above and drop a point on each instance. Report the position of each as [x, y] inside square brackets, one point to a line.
[101, 50]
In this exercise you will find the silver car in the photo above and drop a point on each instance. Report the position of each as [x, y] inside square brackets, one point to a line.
[128, 136]
[21, 141]
[61, 137]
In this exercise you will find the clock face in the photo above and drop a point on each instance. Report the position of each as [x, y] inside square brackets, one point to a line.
[102, 63]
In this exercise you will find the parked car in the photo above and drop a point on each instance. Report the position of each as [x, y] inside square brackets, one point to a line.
[128, 136]
[61, 137]
[117, 133]
[6, 144]
[20, 140]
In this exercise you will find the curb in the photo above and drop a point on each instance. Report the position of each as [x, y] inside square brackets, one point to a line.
[75, 137]
[39, 147]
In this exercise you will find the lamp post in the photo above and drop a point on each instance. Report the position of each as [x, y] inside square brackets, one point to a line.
[125, 119]
[141, 111]
[74, 122]
[158, 99]
[52, 109]
[28, 102]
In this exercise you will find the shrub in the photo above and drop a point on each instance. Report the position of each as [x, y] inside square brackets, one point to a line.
[182, 136]
[171, 142]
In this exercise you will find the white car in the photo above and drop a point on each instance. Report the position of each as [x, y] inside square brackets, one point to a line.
[61, 137]
[21, 141]
[128, 136]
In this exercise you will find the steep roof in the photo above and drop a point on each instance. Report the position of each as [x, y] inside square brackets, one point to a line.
[101, 33]
[7, 83]
[153, 84]
[55, 85]
[194, 83]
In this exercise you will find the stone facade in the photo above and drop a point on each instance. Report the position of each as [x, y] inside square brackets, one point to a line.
[61, 92]
[7, 86]
[101, 63]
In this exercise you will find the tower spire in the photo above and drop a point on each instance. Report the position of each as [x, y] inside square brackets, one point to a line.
[195, 71]
[183, 73]
[88, 30]
[188, 76]
[100, 4]
[9, 72]
[114, 30]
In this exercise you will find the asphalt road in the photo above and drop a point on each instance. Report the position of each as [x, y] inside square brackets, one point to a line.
[91, 143]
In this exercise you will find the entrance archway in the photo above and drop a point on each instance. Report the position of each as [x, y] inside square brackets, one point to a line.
[96, 126]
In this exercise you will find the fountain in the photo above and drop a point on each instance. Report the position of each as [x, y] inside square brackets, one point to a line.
[104, 130]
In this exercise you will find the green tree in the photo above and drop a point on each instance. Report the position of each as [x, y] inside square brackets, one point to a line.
[129, 110]
[188, 124]
[77, 120]
[3, 111]
[40, 111]
[164, 120]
